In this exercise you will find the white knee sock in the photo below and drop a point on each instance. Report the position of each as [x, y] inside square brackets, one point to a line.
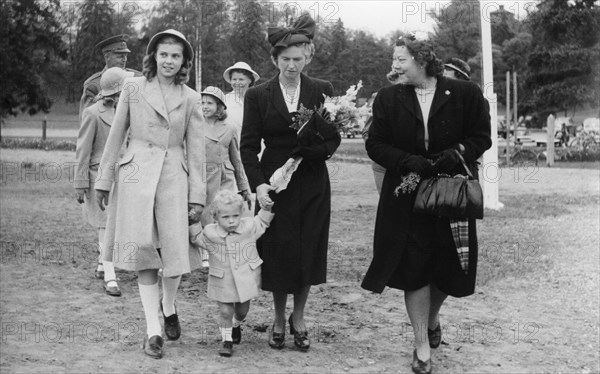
[170, 286]
[150, 299]
[226, 334]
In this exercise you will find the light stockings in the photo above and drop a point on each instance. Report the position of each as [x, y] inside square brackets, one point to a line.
[109, 267]
[170, 286]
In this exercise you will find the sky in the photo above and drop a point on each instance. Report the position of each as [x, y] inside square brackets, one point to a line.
[383, 17]
[380, 17]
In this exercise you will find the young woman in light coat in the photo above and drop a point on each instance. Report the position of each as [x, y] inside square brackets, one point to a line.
[158, 180]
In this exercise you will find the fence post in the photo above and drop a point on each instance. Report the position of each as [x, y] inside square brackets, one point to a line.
[44, 122]
[550, 142]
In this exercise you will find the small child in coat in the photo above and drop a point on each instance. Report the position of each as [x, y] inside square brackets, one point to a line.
[234, 275]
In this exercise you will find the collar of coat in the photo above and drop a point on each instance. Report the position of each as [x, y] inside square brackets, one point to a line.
[215, 132]
[153, 95]
[223, 234]
[408, 97]
[107, 112]
[307, 87]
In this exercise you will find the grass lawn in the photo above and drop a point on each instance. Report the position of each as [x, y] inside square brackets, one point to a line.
[535, 309]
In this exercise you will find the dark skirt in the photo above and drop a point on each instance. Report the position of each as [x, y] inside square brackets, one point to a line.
[429, 257]
[294, 247]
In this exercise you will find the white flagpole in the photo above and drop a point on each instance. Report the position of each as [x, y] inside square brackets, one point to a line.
[490, 173]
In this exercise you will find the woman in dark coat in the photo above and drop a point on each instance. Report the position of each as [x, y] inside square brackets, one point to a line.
[294, 248]
[414, 252]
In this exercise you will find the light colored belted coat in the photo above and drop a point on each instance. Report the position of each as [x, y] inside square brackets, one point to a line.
[224, 169]
[160, 172]
[234, 274]
[93, 132]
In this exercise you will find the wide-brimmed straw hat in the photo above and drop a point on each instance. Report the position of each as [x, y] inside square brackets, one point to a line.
[240, 65]
[188, 50]
[215, 92]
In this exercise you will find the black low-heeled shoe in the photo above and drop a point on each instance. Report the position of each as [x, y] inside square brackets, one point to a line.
[277, 340]
[435, 336]
[300, 338]
[172, 327]
[420, 367]
[153, 346]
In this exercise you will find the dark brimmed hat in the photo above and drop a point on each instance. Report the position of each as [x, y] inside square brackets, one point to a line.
[114, 44]
[459, 66]
[302, 31]
[215, 92]
[239, 66]
[186, 45]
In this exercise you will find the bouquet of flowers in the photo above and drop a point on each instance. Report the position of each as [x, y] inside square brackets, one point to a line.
[409, 183]
[315, 126]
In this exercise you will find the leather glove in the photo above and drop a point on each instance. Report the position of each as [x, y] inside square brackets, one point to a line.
[419, 165]
[446, 161]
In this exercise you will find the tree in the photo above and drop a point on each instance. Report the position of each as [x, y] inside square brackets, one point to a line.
[248, 38]
[31, 44]
[565, 54]
[457, 30]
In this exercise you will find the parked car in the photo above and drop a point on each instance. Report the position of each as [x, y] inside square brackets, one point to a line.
[540, 138]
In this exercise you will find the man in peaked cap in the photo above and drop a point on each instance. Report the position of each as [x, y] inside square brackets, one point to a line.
[114, 50]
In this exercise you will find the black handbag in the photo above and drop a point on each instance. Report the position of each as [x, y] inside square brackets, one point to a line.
[445, 196]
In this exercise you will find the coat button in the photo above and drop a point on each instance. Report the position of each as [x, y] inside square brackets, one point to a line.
[235, 267]
[149, 145]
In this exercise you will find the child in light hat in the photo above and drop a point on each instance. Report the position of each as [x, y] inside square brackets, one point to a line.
[224, 167]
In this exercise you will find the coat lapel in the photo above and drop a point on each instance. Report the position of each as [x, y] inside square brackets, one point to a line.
[153, 95]
[216, 132]
[408, 99]
[107, 114]
[177, 100]
[277, 98]
[442, 95]
[306, 92]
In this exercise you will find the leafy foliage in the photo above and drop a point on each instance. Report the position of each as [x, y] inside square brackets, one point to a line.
[31, 45]
[567, 36]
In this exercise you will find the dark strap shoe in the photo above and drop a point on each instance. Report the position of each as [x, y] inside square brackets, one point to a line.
[227, 349]
[153, 346]
[277, 340]
[300, 338]
[172, 327]
[435, 336]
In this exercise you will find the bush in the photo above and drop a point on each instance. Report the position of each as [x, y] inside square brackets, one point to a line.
[37, 143]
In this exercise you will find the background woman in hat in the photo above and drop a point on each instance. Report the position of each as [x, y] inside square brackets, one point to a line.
[93, 132]
[224, 169]
[294, 248]
[456, 68]
[155, 181]
[241, 77]
[418, 126]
